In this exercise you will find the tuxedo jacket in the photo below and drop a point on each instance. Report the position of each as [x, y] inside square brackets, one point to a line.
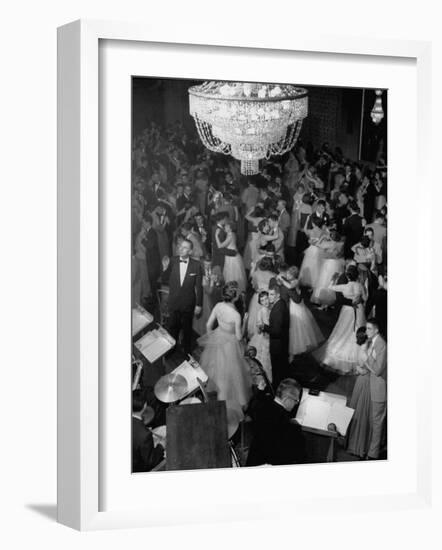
[377, 361]
[184, 297]
[278, 327]
[276, 440]
[144, 455]
[353, 231]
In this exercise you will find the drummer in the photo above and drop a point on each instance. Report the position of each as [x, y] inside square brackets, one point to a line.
[145, 455]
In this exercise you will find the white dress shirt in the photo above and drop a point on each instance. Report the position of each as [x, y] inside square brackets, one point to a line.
[183, 270]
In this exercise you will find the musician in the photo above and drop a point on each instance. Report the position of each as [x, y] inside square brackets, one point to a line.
[145, 455]
[277, 438]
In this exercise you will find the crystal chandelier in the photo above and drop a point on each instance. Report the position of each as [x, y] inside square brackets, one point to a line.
[249, 121]
[377, 113]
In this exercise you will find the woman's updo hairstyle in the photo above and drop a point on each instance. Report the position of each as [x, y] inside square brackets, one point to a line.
[262, 225]
[293, 272]
[365, 241]
[258, 212]
[361, 336]
[352, 273]
[229, 293]
[334, 235]
[265, 264]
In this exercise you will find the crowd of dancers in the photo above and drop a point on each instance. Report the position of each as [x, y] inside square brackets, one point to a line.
[252, 262]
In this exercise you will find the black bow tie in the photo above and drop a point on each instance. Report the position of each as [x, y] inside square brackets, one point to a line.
[183, 261]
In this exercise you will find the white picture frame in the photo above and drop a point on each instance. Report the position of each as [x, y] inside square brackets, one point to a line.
[79, 271]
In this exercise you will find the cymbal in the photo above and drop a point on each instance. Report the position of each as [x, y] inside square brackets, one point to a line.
[170, 388]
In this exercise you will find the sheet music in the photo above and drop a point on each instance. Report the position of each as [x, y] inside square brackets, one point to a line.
[191, 374]
[341, 416]
[140, 319]
[155, 344]
[318, 411]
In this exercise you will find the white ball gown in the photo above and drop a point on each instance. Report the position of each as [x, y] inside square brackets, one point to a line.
[251, 248]
[304, 335]
[234, 270]
[312, 261]
[260, 282]
[331, 265]
[341, 352]
[261, 341]
[223, 361]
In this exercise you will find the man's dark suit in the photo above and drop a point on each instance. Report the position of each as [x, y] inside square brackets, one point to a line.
[353, 231]
[183, 298]
[278, 330]
[144, 455]
[219, 254]
[276, 440]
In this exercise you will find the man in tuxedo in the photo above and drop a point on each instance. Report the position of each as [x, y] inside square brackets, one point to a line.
[353, 229]
[377, 365]
[219, 254]
[319, 214]
[184, 275]
[278, 330]
[277, 439]
[145, 455]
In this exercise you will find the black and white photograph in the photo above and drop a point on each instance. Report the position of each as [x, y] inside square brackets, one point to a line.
[259, 274]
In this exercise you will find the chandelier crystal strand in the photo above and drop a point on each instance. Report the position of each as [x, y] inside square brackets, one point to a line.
[250, 121]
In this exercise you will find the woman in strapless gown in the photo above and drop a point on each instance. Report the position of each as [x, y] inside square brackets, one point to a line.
[254, 216]
[260, 281]
[313, 256]
[332, 263]
[223, 359]
[261, 340]
[305, 334]
[295, 221]
[341, 351]
[234, 269]
[359, 431]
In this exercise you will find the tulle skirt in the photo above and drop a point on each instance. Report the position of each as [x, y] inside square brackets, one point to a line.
[224, 363]
[199, 323]
[304, 332]
[340, 352]
[359, 433]
[234, 271]
[261, 342]
[311, 266]
[253, 315]
[251, 249]
[322, 294]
